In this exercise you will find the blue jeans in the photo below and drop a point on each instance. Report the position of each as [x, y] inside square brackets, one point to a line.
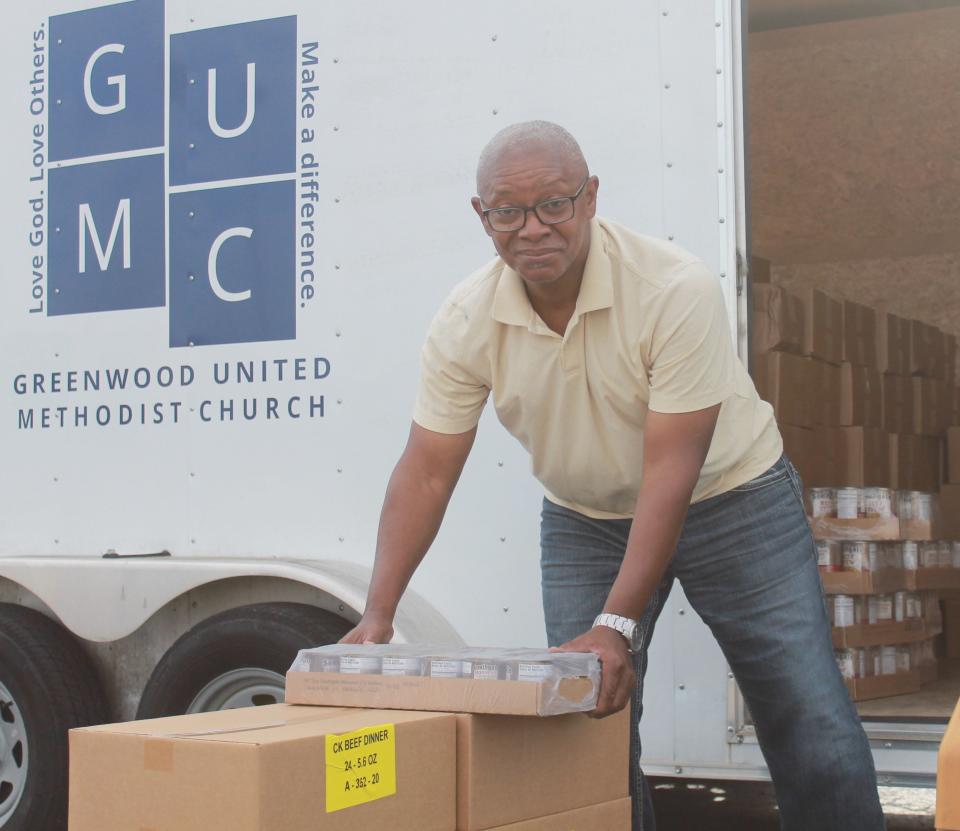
[747, 563]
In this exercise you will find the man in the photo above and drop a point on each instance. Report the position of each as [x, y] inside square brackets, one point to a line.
[608, 356]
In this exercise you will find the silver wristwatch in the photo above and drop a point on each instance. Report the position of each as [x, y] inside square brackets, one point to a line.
[624, 625]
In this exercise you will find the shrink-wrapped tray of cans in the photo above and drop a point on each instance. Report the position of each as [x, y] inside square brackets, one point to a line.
[562, 682]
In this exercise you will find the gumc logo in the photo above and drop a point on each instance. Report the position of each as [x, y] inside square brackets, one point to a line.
[226, 174]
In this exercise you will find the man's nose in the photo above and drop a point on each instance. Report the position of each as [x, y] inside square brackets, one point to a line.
[534, 229]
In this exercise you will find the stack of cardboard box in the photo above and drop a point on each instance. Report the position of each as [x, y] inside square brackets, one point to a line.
[864, 399]
[300, 766]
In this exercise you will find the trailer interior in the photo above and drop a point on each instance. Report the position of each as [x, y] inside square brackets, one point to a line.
[853, 170]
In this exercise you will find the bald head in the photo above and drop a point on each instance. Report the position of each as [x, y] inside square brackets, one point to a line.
[530, 136]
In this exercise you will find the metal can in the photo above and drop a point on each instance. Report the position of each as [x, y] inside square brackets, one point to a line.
[843, 614]
[922, 506]
[911, 555]
[888, 660]
[442, 667]
[396, 665]
[823, 502]
[894, 554]
[912, 608]
[929, 554]
[326, 663]
[861, 610]
[533, 670]
[878, 503]
[360, 664]
[845, 662]
[956, 554]
[903, 659]
[876, 556]
[855, 556]
[848, 503]
[900, 606]
[944, 554]
[904, 505]
[880, 608]
[829, 555]
[485, 670]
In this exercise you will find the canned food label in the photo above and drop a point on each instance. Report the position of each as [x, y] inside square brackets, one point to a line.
[848, 500]
[356, 665]
[855, 556]
[910, 556]
[533, 671]
[485, 670]
[843, 611]
[401, 666]
[444, 668]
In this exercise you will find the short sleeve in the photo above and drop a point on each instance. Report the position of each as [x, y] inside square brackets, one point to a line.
[452, 390]
[692, 362]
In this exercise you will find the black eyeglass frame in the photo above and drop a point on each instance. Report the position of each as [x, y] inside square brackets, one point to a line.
[573, 206]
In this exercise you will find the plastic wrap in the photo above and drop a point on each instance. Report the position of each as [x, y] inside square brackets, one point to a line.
[872, 514]
[559, 676]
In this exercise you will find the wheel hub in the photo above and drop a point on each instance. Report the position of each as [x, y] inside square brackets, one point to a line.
[13, 755]
[246, 687]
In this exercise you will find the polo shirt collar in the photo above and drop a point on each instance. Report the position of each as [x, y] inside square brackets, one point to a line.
[512, 306]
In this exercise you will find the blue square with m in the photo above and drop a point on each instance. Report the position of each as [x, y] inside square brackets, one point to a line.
[106, 237]
[233, 264]
[233, 101]
[106, 80]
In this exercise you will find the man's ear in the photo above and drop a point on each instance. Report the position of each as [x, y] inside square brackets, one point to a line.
[475, 201]
[592, 188]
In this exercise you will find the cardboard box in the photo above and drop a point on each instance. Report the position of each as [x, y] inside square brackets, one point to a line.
[829, 528]
[882, 686]
[511, 769]
[952, 471]
[926, 349]
[948, 776]
[822, 326]
[950, 512]
[862, 458]
[951, 627]
[883, 581]
[950, 359]
[931, 406]
[859, 334]
[897, 416]
[893, 343]
[450, 695]
[824, 392]
[878, 634]
[861, 396]
[784, 380]
[917, 462]
[274, 767]
[608, 816]
[933, 578]
[777, 322]
[800, 446]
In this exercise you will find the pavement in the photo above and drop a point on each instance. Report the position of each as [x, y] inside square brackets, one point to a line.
[683, 805]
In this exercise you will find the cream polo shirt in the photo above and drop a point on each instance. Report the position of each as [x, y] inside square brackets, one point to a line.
[649, 332]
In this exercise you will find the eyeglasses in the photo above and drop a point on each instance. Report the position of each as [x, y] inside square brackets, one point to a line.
[549, 212]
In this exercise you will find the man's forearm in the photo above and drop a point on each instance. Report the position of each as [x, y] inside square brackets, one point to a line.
[412, 512]
[657, 523]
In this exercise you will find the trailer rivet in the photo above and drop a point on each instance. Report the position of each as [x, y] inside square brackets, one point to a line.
[340, 538]
[493, 38]
[670, 237]
[718, 24]
[339, 470]
[722, 220]
[59, 100]
[336, 60]
[191, 145]
[336, 267]
[336, 129]
[56, 291]
[723, 273]
[681, 686]
[678, 770]
[55, 479]
[503, 539]
[59, 41]
[730, 728]
[189, 343]
[719, 71]
[193, 540]
[719, 170]
[888, 745]
[682, 612]
[57, 229]
[337, 333]
[336, 199]
[665, 12]
[190, 277]
[495, 112]
[191, 214]
[669, 164]
[730, 675]
[666, 86]
[339, 400]
[719, 123]
[57, 542]
[499, 464]
[193, 81]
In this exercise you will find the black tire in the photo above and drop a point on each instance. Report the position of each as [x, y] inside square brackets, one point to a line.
[265, 636]
[50, 686]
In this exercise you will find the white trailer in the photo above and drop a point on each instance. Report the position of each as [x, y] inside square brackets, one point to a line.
[229, 225]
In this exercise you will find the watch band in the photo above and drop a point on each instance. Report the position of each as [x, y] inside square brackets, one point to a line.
[624, 625]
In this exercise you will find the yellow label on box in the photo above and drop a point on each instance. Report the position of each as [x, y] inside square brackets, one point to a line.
[361, 766]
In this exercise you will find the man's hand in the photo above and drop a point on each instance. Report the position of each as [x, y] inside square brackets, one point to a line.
[370, 629]
[617, 679]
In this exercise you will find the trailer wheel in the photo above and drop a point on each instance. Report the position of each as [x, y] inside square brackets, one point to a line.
[237, 658]
[47, 686]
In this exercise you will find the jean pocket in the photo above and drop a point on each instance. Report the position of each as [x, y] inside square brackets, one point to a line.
[771, 476]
